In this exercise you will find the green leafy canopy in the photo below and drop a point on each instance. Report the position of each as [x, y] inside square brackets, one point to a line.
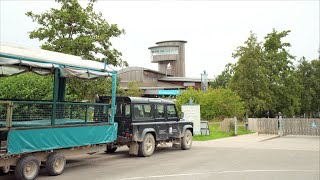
[79, 31]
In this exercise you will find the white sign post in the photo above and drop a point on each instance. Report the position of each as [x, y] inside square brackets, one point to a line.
[191, 113]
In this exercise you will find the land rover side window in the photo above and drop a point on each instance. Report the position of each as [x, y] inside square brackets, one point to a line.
[118, 110]
[159, 111]
[171, 111]
[142, 111]
[127, 112]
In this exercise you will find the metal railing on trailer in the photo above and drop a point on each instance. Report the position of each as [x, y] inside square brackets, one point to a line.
[30, 114]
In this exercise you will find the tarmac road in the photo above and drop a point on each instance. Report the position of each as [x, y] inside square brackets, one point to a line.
[246, 157]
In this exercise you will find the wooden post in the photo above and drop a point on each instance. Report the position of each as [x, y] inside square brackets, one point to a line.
[235, 126]
[9, 115]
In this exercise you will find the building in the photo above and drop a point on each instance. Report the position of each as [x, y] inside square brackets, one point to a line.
[170, 56]
[170, 78]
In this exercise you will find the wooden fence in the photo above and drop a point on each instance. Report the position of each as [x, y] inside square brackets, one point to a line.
[297, 126]
[227, 125]
[267, 126]
[290, 126]
[253, 124]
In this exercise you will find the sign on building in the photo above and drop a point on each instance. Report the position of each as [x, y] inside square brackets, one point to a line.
[191, 113]
[168, 92]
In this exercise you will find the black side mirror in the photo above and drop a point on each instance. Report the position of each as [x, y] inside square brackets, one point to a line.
[182, 115]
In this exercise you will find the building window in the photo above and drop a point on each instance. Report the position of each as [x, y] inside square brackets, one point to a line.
[165, 51]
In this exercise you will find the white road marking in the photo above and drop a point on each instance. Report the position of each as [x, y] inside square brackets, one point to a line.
[219, 172]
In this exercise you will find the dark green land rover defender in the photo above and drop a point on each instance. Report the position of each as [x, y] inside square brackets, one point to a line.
[143, 123]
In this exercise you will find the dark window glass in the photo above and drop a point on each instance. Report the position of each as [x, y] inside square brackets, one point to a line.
[118, 110]
[171, 111]
[159, 108]
[127, 111]
[142, 111]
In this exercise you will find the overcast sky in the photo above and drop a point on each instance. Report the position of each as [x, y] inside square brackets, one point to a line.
[213, 29]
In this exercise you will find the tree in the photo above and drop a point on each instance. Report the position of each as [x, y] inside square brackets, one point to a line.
[309, 78]
[279, 70]
[249, 80]
[79, 31]
[221, 103]
[134, 89]
[223, 79]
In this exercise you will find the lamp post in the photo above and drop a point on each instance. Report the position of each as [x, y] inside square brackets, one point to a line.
[204, 81]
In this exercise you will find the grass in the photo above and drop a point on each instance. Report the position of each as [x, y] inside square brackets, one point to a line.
[215, 133]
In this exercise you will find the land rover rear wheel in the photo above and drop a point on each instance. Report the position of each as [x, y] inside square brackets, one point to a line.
[147, 146]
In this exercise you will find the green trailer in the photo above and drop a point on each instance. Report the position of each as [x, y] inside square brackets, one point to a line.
[34, 133]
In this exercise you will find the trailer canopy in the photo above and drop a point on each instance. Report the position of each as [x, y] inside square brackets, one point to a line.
[16, 59]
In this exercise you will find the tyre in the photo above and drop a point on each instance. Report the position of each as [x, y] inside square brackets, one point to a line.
[147, 146]
[111, 149]
[27, 168]
[186, 141]
[55, 164]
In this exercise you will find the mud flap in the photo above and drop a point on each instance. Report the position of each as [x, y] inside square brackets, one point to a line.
[134, 148]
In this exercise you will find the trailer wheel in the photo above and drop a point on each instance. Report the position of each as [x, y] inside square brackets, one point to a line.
[147, 146]
[55, 164]
[27, 168]
[186, 141]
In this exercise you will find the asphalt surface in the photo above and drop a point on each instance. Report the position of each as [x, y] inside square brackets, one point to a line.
[288, 157]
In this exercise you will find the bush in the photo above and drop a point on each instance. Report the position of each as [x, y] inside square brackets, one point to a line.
[215, 103]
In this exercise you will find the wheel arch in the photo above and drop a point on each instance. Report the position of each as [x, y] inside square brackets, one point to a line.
[185, 128]
[144, 132]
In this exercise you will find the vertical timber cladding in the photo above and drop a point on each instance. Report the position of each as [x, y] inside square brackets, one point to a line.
[191, 113]
[178, 64]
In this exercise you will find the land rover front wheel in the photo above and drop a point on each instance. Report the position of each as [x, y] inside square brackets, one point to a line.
[186, 141]
[147, 146]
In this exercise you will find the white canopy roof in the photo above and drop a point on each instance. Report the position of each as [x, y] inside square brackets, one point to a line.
[15, 59]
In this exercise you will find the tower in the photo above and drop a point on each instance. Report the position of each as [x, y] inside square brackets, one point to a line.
[172, 52]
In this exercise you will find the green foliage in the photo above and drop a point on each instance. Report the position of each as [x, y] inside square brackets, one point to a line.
[279, 70]
[185, 96]
[27, 86]
[223, 79]
[134, 89]
[79, 31]
[265, 77]
[214, 103]
[309, 77]
[88, 89]
[249, 81]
